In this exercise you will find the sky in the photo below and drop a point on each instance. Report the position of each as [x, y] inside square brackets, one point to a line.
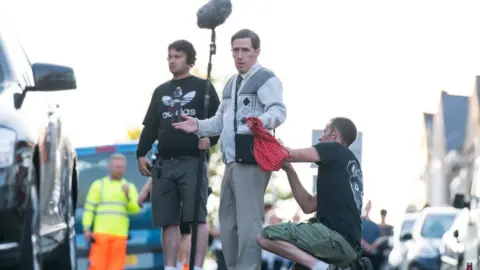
[381, 63]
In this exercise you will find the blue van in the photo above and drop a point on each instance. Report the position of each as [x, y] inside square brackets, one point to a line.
[144, 250]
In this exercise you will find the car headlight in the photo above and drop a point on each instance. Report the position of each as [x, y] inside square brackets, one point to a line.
[7, 147]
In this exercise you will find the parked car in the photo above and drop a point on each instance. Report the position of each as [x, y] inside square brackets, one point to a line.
[427, 232]
[456, 241]
[471, 253]
[144, 248]
[38, 176]
[399, 249]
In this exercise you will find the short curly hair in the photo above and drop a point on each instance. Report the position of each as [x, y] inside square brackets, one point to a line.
[186, 47]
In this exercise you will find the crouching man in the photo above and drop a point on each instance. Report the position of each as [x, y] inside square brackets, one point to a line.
[333, 237]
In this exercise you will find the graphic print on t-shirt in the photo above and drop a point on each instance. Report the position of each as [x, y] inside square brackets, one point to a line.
[177, 99]
[356, 182]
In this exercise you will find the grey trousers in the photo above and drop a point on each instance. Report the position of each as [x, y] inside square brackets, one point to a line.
[241, 214]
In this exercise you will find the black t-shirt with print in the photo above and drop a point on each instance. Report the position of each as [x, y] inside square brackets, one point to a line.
[166, 102]
[340, 191]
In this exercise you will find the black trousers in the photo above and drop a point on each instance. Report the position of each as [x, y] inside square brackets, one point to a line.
[221, 265]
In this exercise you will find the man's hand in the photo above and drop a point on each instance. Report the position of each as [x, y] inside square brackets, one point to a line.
[144, 166]
[204, 143]
[190, 125]
[88, 235]
[287, 166]
[144, 193]
[283, 144]
[367, 247]
[125, 188]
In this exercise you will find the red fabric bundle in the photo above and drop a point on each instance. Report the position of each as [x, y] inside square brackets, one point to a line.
[268, 152]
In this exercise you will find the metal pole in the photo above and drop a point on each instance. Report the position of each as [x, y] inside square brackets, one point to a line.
[202, 158]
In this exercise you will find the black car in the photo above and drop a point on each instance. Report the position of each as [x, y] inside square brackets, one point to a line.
[38, 178]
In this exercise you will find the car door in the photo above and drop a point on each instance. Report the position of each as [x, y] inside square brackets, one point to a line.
[453, 240]
[35, 109]
[472, 244]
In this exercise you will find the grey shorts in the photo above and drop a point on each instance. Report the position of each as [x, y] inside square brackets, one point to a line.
[173, 191]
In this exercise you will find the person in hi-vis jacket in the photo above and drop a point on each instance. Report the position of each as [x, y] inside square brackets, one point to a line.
[105, 220]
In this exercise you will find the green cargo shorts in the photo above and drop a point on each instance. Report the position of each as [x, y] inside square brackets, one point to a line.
[316, 239]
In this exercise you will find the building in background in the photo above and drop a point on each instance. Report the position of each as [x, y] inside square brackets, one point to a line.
[418, 196]
[356, 148]
[449, 135]
[471, 146]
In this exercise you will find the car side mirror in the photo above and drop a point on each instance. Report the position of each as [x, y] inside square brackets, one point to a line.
[49, 77]
[455, 234]
[406, 237]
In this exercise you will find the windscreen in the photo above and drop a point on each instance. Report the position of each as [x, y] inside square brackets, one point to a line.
[435, 225]
[93, 167]
[407, 226]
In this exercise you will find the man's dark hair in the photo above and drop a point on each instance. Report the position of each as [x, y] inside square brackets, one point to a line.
[383, 213]
[247, 33]
[186, 47]
[346, 128]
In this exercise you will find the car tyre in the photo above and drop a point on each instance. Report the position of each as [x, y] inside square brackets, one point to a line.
[30, 255]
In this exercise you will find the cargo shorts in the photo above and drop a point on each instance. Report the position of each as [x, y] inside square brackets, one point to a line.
[174, 182]
[316, 239]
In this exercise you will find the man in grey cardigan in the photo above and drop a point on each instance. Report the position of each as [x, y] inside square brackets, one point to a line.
[254, 92]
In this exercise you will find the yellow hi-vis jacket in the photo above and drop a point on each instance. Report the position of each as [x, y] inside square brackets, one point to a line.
[107, 207]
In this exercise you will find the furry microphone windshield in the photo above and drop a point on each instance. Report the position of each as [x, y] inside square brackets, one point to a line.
[213, 13]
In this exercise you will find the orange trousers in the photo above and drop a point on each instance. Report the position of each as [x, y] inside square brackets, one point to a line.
[108, 252]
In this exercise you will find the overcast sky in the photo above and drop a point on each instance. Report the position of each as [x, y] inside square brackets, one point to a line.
[382, 63]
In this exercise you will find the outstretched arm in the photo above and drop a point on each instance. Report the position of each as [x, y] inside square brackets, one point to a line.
[324, 152]
[309, 154]
[212, 126]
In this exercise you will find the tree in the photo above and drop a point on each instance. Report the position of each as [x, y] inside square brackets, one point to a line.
[133, 134]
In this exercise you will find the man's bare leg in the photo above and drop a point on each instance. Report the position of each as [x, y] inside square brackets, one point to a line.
[171, 243]
[288, 251]
[202, 244]
[183, 256]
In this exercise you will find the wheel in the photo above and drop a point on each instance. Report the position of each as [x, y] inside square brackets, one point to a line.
[30, 256]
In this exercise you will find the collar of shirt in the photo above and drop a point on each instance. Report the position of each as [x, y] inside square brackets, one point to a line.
[251, 71]
[116, 180]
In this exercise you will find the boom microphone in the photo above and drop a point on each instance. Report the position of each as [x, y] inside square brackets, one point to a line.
[209, 16]
[213, 13]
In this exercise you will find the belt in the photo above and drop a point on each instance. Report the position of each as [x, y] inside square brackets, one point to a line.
[177, 154]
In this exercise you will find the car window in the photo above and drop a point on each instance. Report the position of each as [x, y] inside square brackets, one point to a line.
[435, 225]
[407, 226]
[21, 65]
[93, 167]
